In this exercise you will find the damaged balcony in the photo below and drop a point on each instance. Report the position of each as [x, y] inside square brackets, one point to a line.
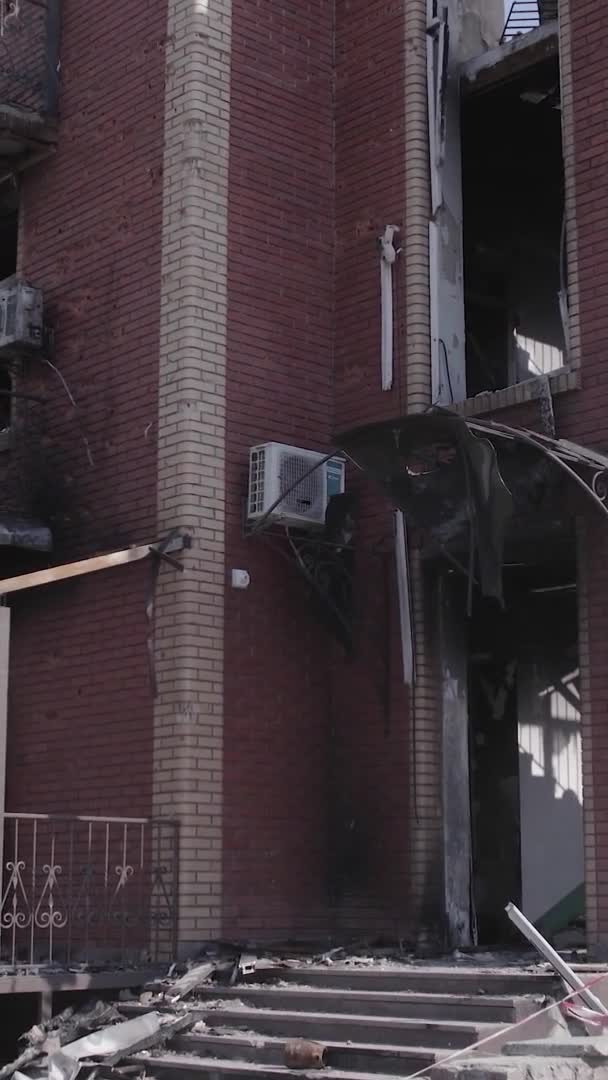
[515, 274]
[86, 892]
[29, 72]
[526, 15]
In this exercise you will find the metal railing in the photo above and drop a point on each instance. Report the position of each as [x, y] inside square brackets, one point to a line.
[29, 55]
[524, 15]
[88, 890]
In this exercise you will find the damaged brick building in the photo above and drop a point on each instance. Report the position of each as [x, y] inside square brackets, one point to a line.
[373, 230]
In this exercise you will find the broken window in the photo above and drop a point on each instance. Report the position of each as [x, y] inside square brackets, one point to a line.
[513, 220]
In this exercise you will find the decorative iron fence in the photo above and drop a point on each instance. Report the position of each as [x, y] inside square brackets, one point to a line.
[524, 15]
[29, 55]
[89, 890]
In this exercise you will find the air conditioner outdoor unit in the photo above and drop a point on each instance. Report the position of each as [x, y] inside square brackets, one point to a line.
[273, 471]
[20, 317]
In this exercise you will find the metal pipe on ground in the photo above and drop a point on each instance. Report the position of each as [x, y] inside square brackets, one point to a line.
[568, 975]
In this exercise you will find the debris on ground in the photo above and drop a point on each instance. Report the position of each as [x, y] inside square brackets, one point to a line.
[59, 1047]
[119, 1042]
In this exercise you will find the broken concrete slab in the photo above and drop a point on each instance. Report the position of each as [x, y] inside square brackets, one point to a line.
[196, 976]
[496, 1068]
[585, 1047]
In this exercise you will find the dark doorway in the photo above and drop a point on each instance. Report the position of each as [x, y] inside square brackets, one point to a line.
[525, 753]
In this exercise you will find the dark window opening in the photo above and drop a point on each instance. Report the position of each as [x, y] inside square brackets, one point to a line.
[513, 204]
[8, 234]
[6, 401]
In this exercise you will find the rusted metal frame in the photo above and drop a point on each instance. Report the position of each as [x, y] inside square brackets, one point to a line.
[34, 909]
[314, 584]
[376, 551]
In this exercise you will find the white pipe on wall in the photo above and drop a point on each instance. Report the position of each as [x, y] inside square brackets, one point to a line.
[388, 254]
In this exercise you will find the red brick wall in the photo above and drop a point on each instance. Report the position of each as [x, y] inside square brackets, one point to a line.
[370, 703]
[80, 733]
[79, 702]
[583, 417]
[279, 382]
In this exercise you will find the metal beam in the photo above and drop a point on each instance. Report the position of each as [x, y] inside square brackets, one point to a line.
[84, 566]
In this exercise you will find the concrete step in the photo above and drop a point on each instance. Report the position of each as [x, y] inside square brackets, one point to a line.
[187, 1067]
[357, 1057]
[504, 1068]
[417, 980]
[395, 1030]
[487, 1009]
[591, 1048]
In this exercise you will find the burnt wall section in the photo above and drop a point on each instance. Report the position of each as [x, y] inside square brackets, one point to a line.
[278, 387]
[370, 788]
[90, 227]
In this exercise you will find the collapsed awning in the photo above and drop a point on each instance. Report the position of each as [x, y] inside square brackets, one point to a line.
[20, 532]
[462, 479]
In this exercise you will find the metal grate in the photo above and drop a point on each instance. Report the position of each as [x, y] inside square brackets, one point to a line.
[256, 481]
[307, 497]
[524, 15]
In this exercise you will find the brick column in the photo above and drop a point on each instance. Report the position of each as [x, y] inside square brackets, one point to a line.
[567, 112]
[191, 452]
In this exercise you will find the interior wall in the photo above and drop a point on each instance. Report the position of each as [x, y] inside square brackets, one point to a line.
[550, 755]
[526, 753]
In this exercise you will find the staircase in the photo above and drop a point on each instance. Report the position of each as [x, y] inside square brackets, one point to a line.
[382, 1021]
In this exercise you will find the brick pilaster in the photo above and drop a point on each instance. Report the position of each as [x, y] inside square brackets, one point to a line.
[191, 451]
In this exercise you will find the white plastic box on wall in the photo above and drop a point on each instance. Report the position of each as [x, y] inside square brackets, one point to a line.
[274, 471]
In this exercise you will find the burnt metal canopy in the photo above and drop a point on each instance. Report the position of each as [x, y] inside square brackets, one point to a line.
[462, 479]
